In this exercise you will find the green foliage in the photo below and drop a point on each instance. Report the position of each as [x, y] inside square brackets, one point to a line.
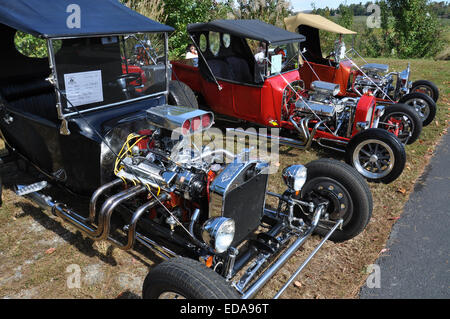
[30, 46]
[346, 16]
[152, 9]
[409, 29]
[180, 13]
[415, 31]
[270, 11]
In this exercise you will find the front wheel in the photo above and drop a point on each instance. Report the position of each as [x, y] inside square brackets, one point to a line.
[183, 278]
[346, 191]
[377, 155]
[423, 104]
[426, 87]
[402, 121]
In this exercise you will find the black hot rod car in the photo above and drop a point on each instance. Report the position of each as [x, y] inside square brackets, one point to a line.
[88, 126]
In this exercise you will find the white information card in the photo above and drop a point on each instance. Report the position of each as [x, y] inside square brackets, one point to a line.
[84, 87]
[276, 64]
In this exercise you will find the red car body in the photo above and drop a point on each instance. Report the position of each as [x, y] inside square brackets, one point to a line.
[259, 104]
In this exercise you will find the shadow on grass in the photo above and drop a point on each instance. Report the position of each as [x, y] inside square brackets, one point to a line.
[13, 174]
[128, 295]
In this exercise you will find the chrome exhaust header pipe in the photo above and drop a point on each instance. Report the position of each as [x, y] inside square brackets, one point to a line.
[131, 227]
[111, 204]
[82, 224]
[96, 196]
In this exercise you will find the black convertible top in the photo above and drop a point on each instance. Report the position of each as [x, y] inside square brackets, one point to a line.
[49, 18]
[253, 29]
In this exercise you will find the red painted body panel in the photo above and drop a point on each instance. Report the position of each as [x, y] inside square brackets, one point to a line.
[253, 103]
[366, 102]
[262, 104]
[327, 73]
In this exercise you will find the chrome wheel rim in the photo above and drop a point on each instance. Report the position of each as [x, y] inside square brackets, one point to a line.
[171, 295]
[421, 106]
[373, 159]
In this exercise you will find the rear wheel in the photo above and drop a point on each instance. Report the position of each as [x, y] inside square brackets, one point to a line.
[346, 191]
[181, 95]
[423, 104]
[183, 278]
[426, 87]
[377, 155]
[402, 121]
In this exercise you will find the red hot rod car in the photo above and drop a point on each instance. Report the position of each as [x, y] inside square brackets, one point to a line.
[387, 87]
[263, 87]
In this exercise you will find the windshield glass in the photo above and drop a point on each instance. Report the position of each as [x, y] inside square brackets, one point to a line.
[99, 71]
[283, 58]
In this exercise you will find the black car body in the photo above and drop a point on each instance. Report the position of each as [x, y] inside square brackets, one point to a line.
[87, 125]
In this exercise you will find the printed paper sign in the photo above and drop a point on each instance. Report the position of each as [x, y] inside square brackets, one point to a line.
[84, 87]
[276, 64]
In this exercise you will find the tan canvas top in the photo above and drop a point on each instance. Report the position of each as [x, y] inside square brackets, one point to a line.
[315, 21]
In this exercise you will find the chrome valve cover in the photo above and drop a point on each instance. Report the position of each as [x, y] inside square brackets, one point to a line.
[375, 68]
[320, 109]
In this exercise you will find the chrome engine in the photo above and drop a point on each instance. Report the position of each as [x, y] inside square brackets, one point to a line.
[166, 160]
[322, 104]
[377, 80]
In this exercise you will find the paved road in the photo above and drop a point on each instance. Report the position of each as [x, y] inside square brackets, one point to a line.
[417, 262]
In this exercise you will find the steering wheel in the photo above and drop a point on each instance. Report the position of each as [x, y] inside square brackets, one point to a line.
[123, 81]
[128, 77]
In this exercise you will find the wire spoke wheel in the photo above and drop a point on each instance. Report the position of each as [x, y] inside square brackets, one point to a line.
[374, 159]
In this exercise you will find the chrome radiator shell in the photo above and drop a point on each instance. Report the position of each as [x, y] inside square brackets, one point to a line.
[238, 192]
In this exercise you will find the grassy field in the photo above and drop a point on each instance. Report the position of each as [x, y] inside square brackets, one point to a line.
[37, 250]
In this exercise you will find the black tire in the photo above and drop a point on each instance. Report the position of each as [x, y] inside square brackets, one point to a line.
[423, 104]
[376, 147]
[181, 95]
[408, 120]
[426, 87]
[348, 189]
[187, 278]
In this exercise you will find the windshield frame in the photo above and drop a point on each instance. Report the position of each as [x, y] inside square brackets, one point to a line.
[62, 114]
[296, 49]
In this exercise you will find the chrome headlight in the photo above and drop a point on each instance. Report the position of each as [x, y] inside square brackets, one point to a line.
[294, 176]
[218, 233]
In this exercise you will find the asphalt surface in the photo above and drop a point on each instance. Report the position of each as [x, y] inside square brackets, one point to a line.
[416, 263]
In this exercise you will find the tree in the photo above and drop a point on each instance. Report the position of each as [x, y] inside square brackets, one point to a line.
[180, 13]
[416, 31]
[346, 16]
[270, 11]
[152, 9]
